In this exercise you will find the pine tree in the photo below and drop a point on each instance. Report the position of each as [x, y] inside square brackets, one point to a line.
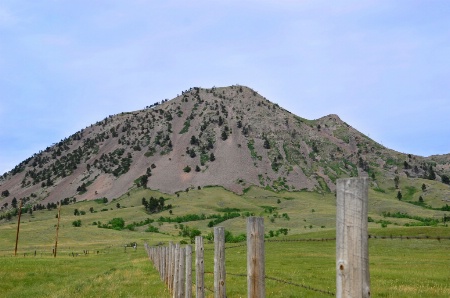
[14, 202]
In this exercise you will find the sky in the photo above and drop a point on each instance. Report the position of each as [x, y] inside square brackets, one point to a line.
[382, 66]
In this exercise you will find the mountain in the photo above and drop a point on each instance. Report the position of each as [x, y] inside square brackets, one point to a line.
[231, 137]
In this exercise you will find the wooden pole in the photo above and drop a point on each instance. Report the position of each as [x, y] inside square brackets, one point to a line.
[164, 263]
[352, 253]
[182, 273]
[57, 228]
[170, 268]
[256, 287]
[188, 288]
[166, 276]
[199, 267]
[176, 279]
[18, 227]
[172, 274]
[219, 263]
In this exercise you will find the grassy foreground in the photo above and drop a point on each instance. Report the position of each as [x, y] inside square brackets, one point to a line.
[398, 267]
[109, 274]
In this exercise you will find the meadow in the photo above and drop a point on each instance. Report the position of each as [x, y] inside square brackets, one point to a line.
[399, 267]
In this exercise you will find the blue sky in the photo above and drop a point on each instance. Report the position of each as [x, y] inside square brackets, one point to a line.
[382, 66]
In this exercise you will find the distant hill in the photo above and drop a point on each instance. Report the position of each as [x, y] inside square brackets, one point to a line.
[231, 137]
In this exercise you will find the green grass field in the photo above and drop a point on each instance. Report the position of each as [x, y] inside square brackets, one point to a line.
[398, 267]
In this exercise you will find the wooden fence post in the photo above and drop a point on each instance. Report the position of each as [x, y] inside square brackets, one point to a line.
[352, 253]
[199, 267]
[18, 228]
[182, 273]
[162, 256]
[166, 270]
[219, 263]
[188, 288]
[176, 280]
[57, 226]
[170, 271]
[255, 258]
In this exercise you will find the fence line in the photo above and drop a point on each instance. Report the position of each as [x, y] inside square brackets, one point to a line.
[158, 257]
[352, 259]
[48, 252]
[199, 249]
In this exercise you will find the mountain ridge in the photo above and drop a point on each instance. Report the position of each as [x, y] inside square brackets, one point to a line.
[227, 136]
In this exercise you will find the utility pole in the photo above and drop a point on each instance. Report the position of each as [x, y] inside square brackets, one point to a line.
[57, 227]
[18, 227]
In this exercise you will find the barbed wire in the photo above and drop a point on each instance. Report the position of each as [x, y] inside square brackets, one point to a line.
[439, 238]
[370, 236]
[301, 240]
[300, 285]
[285, 282]
[228, 247]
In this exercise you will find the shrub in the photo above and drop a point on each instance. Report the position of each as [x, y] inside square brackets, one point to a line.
[117, 223]
[152, 229]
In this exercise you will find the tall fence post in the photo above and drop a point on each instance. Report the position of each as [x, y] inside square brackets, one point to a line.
[18, 228]
[176, 271]
[256, 287]
[352, 253]
[162, 256]
[188, 288]
[171, 266]
[219, 263]
[199, 267]
[182, 273]
[167, 254]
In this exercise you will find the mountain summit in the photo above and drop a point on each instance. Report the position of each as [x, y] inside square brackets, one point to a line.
[231, 137]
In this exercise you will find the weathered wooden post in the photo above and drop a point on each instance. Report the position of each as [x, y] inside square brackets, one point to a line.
[219, 263]
[176, 279]
[162, 265]
[57, 226]
[166, 277]
[256, 273]
[352, 253]
[171, 266]
[182, 273]
[156, 258]
[18, 227]
[199, 267]
[188, 288]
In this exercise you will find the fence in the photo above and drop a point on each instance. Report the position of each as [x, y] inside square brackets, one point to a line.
[352, 259]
